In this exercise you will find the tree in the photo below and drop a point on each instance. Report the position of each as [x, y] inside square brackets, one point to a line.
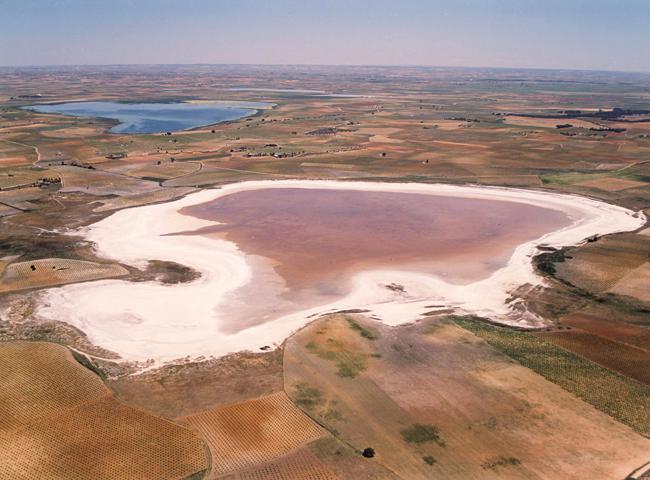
[368, 452]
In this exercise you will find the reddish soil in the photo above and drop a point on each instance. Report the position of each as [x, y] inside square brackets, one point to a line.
[614, 330]
[627, 360]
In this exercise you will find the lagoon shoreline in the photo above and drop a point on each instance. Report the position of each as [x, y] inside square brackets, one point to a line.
[168, 322]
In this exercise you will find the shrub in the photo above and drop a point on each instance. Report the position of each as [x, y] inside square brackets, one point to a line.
[307, 397]
[363, 331]
[420, 433]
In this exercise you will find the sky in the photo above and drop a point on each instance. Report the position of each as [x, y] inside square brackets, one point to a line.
[566, 34]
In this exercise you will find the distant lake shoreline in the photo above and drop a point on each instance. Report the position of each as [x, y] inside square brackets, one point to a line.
[158, 117]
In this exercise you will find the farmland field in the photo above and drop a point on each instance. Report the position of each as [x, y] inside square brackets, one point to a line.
[100, 183]
[24, 176]
[155, 196]
[214, 383]
[60, 422]
[456, 399]
[55, 271]
[635, 284]
[434, 400]
[610, 328]
[625, 400]
[301, 465]
[600, 266]
[249, 433]
[624, 359]
[165, 171]
[345, 461]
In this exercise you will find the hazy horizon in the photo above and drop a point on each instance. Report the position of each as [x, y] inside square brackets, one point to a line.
[592, 35]
[376, 65]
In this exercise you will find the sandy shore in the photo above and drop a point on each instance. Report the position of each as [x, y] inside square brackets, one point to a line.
[148, 320]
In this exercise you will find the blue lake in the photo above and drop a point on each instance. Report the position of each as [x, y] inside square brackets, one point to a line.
[155, 117]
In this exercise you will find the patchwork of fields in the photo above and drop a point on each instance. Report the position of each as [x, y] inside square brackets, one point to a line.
[623, 398]
[434, 399]
[446, 397]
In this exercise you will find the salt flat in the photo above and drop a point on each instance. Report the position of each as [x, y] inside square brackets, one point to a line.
[148, 320]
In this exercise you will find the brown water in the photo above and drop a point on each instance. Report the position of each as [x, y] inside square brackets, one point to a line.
[314, 239]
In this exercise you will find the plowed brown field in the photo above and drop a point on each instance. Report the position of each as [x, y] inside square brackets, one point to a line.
[614, 330]
[630, 361]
